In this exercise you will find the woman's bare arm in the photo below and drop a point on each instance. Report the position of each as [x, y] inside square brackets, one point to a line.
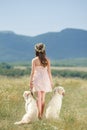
[32, 73]
[49, 72]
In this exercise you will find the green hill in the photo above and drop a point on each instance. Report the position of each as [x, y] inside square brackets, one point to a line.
[69, 43]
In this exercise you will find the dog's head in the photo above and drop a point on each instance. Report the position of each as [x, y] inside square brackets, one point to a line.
[59, 90]
[26, 95]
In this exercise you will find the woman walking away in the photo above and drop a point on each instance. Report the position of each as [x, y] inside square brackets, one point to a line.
[41, 78]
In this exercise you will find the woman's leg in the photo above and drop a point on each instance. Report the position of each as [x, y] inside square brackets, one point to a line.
[42, 102]
[39, 104]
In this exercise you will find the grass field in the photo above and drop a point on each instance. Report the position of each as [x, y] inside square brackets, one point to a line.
[73, 114]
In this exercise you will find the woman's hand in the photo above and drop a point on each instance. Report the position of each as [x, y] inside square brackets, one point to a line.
[52, 84]
[31, 85]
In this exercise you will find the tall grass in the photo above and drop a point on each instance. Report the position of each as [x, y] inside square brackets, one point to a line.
[73, 114]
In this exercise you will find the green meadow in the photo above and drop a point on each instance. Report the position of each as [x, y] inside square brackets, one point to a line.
[73, 115]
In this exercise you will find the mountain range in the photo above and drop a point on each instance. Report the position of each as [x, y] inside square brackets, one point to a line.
[68, 43]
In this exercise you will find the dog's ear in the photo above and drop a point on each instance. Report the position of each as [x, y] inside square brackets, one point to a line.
[61, 90]
[26, 93]
[55, 90]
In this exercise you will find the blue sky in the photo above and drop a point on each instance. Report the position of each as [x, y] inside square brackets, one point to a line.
[34, 17]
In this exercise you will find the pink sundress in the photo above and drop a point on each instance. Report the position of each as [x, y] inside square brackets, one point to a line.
[41, 81]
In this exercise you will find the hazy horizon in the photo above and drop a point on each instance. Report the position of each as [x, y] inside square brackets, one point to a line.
[11, 31]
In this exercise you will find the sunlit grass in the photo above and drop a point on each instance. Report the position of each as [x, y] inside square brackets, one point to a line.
[73, 114]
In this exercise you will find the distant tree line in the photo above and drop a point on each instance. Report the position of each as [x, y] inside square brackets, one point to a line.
[68, 73]
[9, 70]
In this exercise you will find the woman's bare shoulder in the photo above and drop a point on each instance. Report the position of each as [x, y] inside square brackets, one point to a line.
[34, 59]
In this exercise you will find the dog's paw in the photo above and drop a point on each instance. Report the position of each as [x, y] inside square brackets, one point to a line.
[18, 123]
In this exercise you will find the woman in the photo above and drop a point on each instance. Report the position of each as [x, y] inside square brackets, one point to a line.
[41, 78]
